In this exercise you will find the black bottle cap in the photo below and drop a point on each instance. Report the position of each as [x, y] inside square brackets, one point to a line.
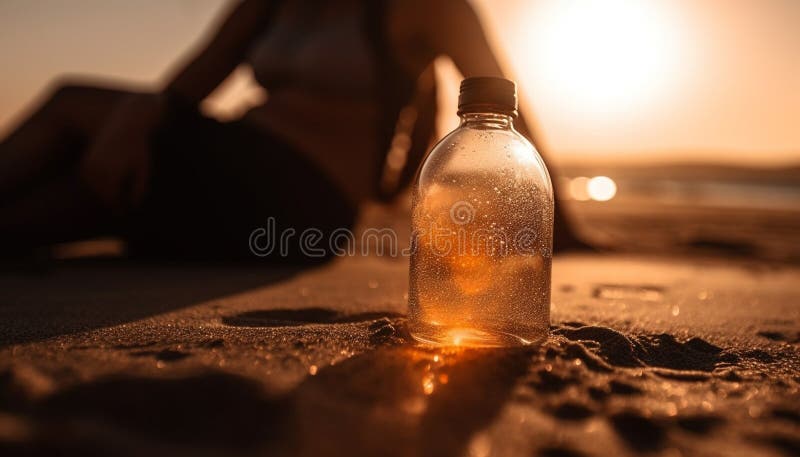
[488, 94]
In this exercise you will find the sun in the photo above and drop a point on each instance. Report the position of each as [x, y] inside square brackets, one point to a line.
[602, 55]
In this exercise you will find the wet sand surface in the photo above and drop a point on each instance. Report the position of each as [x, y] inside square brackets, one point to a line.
[647, 355]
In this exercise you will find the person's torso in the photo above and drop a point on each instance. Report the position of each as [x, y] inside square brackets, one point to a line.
[317, 66]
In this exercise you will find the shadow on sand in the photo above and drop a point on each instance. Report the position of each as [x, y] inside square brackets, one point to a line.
[93, 294]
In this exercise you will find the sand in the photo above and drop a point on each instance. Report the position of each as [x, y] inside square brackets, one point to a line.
[647, 355]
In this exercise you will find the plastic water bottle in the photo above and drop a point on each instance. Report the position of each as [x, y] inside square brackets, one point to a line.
[482, 229]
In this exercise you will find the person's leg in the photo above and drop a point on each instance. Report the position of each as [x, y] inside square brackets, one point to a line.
[60, 210]
[52, 137]
[42, 199]
[214, 184]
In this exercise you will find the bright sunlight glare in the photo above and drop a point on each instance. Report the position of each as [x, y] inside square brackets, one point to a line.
[603, 55]
[598, 188]
[601, 188]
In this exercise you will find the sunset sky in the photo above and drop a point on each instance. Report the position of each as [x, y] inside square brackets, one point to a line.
[704, 80]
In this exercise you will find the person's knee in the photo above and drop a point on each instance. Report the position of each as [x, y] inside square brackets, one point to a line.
[79, 103]
[63, 94]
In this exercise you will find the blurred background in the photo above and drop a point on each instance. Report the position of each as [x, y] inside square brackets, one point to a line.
[670, 125]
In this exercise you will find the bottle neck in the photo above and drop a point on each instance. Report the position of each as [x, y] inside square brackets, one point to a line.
[487, 121]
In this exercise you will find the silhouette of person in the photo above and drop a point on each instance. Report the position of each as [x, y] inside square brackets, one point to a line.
[342, 77]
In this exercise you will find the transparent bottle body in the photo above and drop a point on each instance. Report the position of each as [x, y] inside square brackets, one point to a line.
[482, 238]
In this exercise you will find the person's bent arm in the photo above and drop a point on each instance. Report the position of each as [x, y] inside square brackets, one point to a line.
[223, 53]
[454, 30]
